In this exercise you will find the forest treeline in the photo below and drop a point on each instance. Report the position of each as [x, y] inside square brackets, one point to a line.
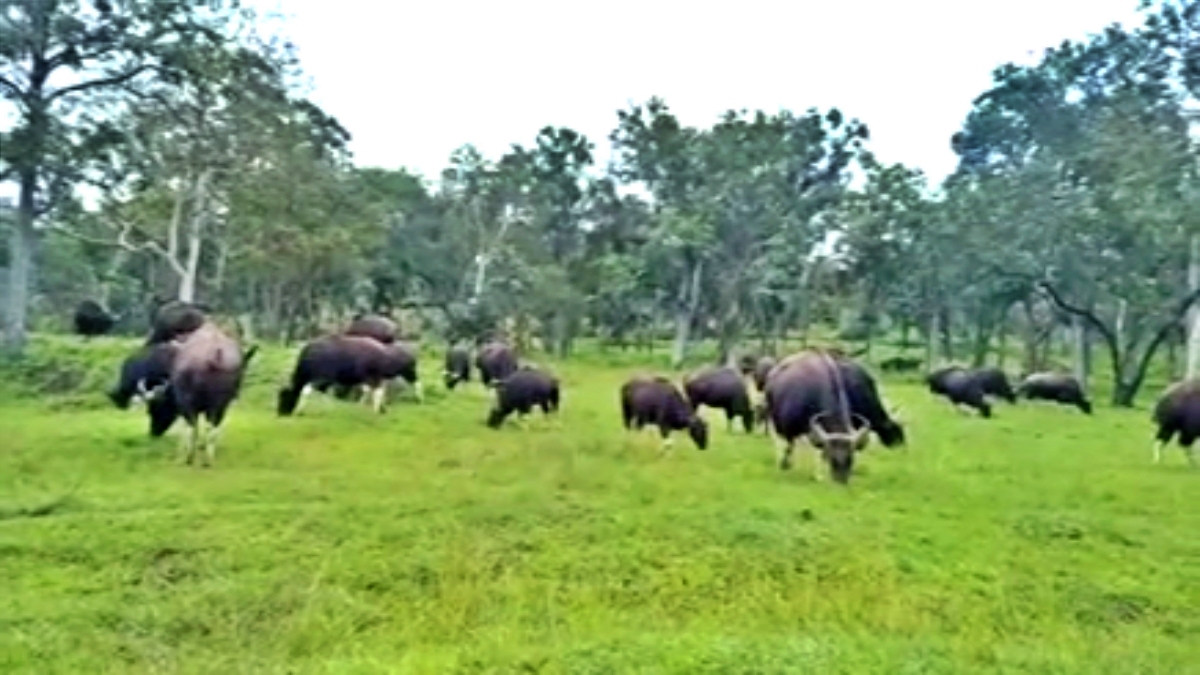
[167, 148]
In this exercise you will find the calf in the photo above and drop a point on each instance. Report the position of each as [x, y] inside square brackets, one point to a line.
[521, 391]
[1062, 388]
[722, 388]
[762, 368]
[655, 400]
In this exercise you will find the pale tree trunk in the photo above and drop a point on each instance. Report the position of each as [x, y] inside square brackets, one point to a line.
[190, 270]
[20, 254]
[685, 313]
[1193, 321]
[1083, 350]
[931, 333]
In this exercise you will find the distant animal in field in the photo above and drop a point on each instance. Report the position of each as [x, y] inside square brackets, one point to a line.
[994, 382]
[495, 361]
[723, 388]
[900, 364]
[175, 319]
[206, 376]
[521, 392]
[374, 326]
[762, 368]
[91, 319]
[1178, 413]
[143, 371]
[961, 386]
[1063, 388]
[655, 400]
[834, 402]
[458, 366]
[349, 362]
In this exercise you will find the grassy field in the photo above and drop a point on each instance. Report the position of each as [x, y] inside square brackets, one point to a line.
[1040, 541]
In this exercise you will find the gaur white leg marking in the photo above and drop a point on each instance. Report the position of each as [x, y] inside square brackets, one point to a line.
[377, 396]
[305, 392]
[419, 391]
[210, 445]
[193, 439]
[785, 449]
[1158, 448]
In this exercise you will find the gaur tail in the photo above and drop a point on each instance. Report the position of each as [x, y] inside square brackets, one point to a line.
[249, 356]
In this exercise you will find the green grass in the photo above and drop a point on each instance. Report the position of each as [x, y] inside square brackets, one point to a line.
[1040, 541]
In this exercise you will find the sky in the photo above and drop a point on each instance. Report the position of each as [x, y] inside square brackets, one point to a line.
[414, 80]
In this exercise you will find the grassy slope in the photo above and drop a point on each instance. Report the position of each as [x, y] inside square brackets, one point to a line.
[1037, 542]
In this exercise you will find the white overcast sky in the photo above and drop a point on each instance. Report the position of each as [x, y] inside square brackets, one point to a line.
[413, 80]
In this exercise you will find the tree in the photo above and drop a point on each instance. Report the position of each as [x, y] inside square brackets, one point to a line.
[62, 66]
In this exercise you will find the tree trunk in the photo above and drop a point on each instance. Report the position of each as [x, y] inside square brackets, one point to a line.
[685, 313]
[20, 251]
[947, 336]
[931, 342]
[1193, 332]
[1083, 351]
[1002, 341]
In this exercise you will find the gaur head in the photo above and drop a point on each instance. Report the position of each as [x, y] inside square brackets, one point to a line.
[1086, 406]
[891, 430]
[698, 430]
[161, 407]
[495, 417]
[288, 399]
[839, 447]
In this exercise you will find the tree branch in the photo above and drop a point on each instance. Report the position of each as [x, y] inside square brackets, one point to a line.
[7, 84]
[110, 81]
[1080, 312]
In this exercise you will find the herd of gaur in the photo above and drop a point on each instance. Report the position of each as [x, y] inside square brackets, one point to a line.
[190, 368]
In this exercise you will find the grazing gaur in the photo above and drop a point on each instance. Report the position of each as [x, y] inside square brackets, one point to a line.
[655, 400]
[832, 400]
[495, 361]
[1178, 412]
[346, 362]
[761, 369]
[142, 372]
[723, 388]
[900, 364]
[458, 366]
[1061, 388]
[373, 326]
[206, 376]
[91, 319]
[521, 391]
[175, 319]
[961, 387]
[994, 382]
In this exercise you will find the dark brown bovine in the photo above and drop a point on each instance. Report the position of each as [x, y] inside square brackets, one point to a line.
[832, 400]
[761, 369]
[347, 362]
[206, 376]
[373, 326]
[900, 364]
[961, 387]
[722, 388]
[520, 392]
[655, 400]
[458, 366]
[91, 319]
[176, 319]
[994, 382]
[495, 361]
[1061, 388]
[1178, 412]
[145, 370]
